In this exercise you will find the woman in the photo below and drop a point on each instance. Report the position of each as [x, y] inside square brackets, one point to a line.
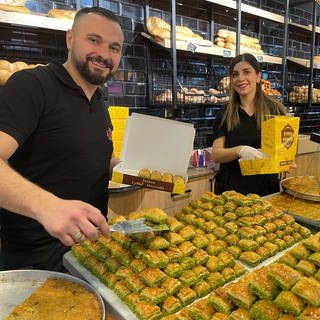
[237, 129]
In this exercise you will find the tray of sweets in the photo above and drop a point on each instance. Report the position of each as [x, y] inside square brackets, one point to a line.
[303, 187]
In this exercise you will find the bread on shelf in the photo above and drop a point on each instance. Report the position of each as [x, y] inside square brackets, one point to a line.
[62, 14]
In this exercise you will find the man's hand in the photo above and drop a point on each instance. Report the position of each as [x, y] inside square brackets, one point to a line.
[250, 153]
[73, 221]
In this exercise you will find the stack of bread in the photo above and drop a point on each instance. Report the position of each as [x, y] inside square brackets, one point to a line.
[299, 94]
[193, 95]
[266, 87]
[14, 6]
[161, 30]
[7, 69]
[62, 14]
[227, 39]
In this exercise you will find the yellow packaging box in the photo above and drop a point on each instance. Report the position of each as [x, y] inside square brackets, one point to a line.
[279, 141]
[118, 112]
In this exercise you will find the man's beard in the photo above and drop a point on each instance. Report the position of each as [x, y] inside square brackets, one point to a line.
[94, 78]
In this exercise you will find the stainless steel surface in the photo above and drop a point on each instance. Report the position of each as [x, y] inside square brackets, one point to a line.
[297, 194]
[17, 285]
[115, 307]
[137, 226]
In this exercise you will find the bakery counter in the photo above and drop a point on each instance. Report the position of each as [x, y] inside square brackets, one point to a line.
[124, 199]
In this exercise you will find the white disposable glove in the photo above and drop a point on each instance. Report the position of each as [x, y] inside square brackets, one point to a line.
[250, 153]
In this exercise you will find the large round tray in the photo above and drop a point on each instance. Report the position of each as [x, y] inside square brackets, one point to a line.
[297, 194]
[17, 285]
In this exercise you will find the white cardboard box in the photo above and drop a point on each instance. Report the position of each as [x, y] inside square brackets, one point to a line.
[156, 144]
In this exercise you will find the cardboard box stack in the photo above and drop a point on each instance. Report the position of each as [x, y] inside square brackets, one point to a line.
[119, 117]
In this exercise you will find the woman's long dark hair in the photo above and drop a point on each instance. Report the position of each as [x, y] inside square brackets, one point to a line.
[265, 105]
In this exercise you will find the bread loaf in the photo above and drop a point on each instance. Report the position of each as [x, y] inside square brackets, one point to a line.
[11, 8]
[18, 65]
[5, 65]
[62, 14]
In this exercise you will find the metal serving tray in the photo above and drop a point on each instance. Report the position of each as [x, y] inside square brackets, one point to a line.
[297, 194]
[17, 285]
[116, 308]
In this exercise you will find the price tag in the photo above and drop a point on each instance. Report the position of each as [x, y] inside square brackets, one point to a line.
[226, 53]
[260, 58]
[191, 47]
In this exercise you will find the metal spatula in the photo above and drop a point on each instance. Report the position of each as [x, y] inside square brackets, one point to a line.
[137, 226]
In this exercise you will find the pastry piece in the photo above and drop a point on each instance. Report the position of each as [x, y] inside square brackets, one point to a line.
[173, 269]
[250, 257]
[230, 206]
[221, 304]
[134, 283]
[156, 175]
[203, 310]
[201, 288]
[218, 210]
[200, 241]
[239, 269]
[79, 252]
[171, 285]
[153, 294]
[229, 195]
[264, 310]
[242, 200]
[247, 244]
[289, 259]
[263, 252]
[273, 248]
[313, 242]
[234, 251]
[155, 258]
[174, 254]
[280, 243]
[132, 299]
[112, 264]
[187, 248]
[200, 257]
[314, 258]
[270, 227]
[215, 280]
[220, 316]
[173, 224]
[144, 173]
[220, 232]
[201, 272]
[214, 264]
[187, 233]
[155, 215]
[247, 232]
[258, 208]
[152, 276]
[167, 177]
[231, 227]
[214, 248]
[239, 314]
[148, 311]
[261, 285]
[218, 200]
[173, 238]
[186, 295]
[137, 249]
[230, 216]
[137, 265]
[306, 233]
[177, 179]
[121, 289]
[309, 313]
[171, 305]
[228, 274]
[226, 258]
[157, 242]
[309, 290]
[187, 263]
[232, 239]
[306, 267]
[283, 276]
[288, 302]
[244, 211]
[287, 317]
[246, 221]
[123, 272]
[13, 8]
[188, 278]
[240, 294]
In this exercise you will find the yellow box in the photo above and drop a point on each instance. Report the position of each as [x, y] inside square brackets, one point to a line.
[117, 135]
[117, 145]
[118, 124]
[279, 141]
[117, 112]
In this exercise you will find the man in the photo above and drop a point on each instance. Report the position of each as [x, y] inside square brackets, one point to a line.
[55, 147]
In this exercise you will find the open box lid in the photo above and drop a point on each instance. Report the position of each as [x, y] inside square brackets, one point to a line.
[157, 144]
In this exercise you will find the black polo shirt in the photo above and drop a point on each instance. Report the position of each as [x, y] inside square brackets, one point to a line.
[64, 143]
[229, 176]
